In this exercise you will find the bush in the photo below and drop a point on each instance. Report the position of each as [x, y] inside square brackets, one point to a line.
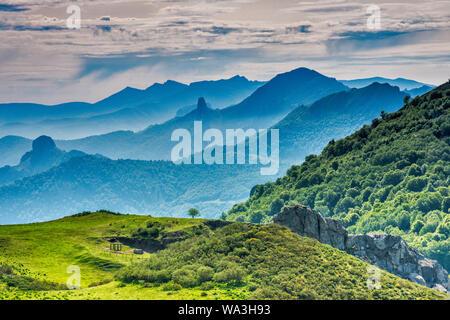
[392, 178]
[276, 206]
[205, 274]
[414, 171]
[428, 228]
[403, 221]
[446, 205]
[185, 277]
[256, 217]
[429, 202]
[352, 193]
[417, 184]
[344, 205]
[170, 286]
[417, 226]
[233, 275]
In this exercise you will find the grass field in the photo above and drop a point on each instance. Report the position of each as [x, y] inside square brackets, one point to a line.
[34, 259]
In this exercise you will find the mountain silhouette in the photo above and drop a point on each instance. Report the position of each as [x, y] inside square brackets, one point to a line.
[308, 129]
[262, 109]
[284, 93]
[43, 156]
[403, 84]
[128, 109]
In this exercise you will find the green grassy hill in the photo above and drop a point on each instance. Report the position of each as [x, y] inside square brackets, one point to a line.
[201, 260]
[392, 177]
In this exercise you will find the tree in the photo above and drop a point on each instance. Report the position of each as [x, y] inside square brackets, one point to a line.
[193, 213]
[406, 99]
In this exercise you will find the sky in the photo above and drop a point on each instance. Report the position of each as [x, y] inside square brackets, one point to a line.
[136, 43]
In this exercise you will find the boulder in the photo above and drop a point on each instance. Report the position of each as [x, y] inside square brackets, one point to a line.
[310, 223]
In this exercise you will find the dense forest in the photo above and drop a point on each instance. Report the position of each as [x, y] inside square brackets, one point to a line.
[392, 176]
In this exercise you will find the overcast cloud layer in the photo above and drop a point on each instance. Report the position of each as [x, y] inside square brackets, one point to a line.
[137, 42]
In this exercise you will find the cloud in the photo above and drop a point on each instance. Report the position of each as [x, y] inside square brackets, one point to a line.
[12, 7]
[140, 39]
[103, 67]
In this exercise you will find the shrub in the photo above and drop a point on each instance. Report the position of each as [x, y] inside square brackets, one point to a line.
[205, 273]
[429, 202]
[351, 219]
[392, 178]
[414, 171]
[207, 286]
[344, 205]
[417, 226]
[417, 184]
[428, 228]
[256, 217]
[170, 286]
[276, 206]
[233, 275]
[403, 221]
[446, 205]
[185, 277]
[352, 192]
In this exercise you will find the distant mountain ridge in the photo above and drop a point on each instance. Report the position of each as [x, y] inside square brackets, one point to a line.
[268, 104]
[130, 109]
[43, 156]
[158, 188]
[403, 84]
[284, 93]
[308, 129]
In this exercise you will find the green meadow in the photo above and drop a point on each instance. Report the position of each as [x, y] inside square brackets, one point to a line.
[196, 259]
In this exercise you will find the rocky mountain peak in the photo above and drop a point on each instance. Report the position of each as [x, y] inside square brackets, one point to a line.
[43, 144]
[201, 104]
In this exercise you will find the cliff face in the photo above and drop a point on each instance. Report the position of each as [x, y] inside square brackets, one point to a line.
[387, 252]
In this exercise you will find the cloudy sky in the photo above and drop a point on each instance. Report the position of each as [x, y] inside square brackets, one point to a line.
[138, 42]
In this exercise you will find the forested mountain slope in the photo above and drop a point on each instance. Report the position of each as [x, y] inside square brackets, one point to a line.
[392, 176]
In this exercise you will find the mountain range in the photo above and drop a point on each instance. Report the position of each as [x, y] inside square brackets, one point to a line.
[263, 108]
[43, 156]
[308, 129]
[314, 110]
[129, 109]
[403, 84]
[159, 188]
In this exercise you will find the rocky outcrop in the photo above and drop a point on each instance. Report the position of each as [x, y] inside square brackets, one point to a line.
[388, 252]
[309, 223]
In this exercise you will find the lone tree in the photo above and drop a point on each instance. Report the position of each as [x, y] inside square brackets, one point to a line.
[193, 213]
[406, 99]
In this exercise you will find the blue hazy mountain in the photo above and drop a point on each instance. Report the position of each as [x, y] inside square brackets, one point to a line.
[419, 91]
[129, 109]
[403, 84]
[158, 188]
[267, 105]
[43, 156]
[282, 94]
[12, 148]
[308, 129]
